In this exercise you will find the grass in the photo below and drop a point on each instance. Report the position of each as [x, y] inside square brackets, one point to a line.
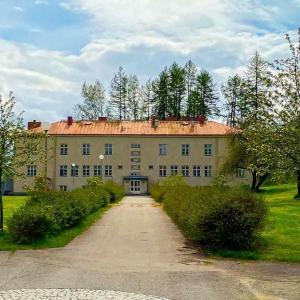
[60, 240]
[281, 239]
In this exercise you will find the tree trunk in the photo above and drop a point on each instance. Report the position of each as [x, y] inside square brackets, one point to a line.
[261, 181]
[254, 180]
[298, 184]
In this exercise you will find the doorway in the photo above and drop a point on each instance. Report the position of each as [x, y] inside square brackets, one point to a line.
[135, 186]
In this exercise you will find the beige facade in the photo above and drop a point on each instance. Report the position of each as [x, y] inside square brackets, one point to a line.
[134, 161]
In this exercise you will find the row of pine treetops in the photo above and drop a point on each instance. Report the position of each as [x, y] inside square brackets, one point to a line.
[189, 91]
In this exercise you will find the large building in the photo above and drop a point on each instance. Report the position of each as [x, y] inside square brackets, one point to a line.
[134, 154]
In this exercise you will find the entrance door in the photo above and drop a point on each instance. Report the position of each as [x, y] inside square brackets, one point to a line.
[135, 186]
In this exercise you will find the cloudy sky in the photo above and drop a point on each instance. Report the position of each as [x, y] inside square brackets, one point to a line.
[48, 48]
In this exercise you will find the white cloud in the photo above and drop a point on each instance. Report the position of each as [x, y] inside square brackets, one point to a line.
[41, 2]
[18, 8]
[143, 36]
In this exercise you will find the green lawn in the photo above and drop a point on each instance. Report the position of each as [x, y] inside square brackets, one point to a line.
[10, 203]
[60, 240]
[281, 238]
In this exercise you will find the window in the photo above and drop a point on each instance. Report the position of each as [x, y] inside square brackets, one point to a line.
[108, 171]
[162, 149]
[136, 146]
[208, 171]
[97, 170]
[196, 171]
[185, 149]
[208, 149]
[85, 170]
[135, 173]
[63, 149]
[135, 167]
[174, 170]
[185, 170]
[120, 167]
[75, 171]
[63, 188]
[108, 149]
[162, 171]
[135, 153]
[86, 149]
[63, 171]
[150, 167]
[136, 160]
[241, 173]
[31, 170]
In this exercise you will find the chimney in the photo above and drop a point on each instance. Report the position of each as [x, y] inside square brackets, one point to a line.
[70, 120]
[153, 121]
[201, 120]
[34, 124]
[102, 119]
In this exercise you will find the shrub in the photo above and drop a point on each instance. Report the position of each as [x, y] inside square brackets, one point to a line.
[232, 221]
[69, 209]
[158, 190]
[116, 192]
[48, 212]
[218, 218]
[29, 224]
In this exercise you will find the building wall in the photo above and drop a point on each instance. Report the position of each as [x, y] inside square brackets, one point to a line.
[121, 156]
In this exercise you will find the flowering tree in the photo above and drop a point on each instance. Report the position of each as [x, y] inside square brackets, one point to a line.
[287, 96]
[18, 147]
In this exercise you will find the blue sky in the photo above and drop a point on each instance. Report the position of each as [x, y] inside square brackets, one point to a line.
[49, 48]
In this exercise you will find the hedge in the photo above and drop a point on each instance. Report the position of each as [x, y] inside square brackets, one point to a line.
[49, 212]
[217, 218]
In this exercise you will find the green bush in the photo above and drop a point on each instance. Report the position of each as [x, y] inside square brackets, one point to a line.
[218, 218]
[30, 223]
[159, 189]
[48, 212]
[233, 222]
[116, 192]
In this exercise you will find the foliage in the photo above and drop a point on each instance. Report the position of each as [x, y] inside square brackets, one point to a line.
[30, 223]
[59, 210]
[41, 186]
[287, 98]
[218, 218]
[18, 147]
[204, 97]
[93, 101]
[118, 92]
[220, 181]
[159, 189]
[116, 192]
[235, 104]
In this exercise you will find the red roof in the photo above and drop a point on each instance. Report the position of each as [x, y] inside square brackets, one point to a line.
[163, 128]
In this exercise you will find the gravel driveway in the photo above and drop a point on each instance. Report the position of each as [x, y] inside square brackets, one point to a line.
[135, 248]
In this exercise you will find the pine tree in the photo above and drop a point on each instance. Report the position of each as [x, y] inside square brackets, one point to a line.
[177, 90]
[146, 95]
[133, 98]
[257, 86]
[204, 97]
[190, 80]
[161, 95]
[118, 93]
[234, 106]
[93, 102]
